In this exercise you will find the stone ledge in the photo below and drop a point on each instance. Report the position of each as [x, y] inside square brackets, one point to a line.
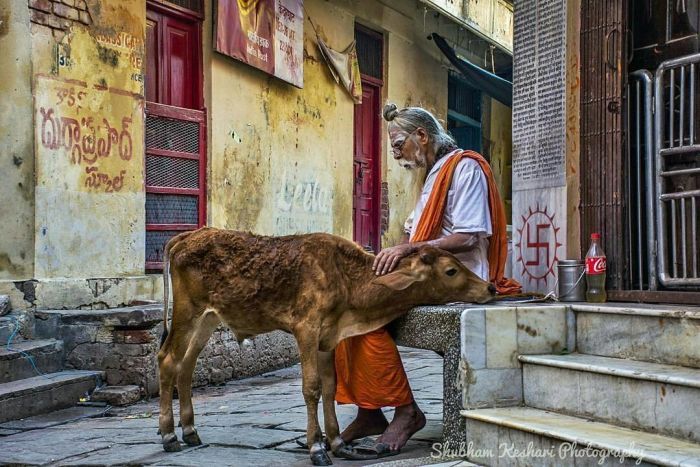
[668, 374]
[428, 327]
[639, 309]
[137, 317]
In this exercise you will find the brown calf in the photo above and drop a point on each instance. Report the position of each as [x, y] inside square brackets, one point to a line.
[318, 287]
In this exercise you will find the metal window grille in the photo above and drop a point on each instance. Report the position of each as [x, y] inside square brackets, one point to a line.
[172, 134]
[155, 242]
[171, 209]
[172, 172]
[175, 176]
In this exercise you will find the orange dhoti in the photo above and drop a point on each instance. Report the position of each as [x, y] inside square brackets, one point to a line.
[370, 373]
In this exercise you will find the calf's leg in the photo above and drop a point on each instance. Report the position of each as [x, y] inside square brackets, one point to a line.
[169, 357]
[326, 363]
[311, 388]
[203, 329]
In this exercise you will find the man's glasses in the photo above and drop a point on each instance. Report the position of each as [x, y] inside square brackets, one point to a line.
[397, 147]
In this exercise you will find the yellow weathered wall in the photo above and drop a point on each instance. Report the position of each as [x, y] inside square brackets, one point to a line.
[88, 114]
[278, 152]
[281, 157]
[501, 151]
[16, 151]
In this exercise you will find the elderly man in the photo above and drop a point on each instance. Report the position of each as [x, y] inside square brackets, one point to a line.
[460, 211]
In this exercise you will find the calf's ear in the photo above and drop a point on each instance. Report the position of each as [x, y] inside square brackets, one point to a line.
[397, 280]
[428, 257]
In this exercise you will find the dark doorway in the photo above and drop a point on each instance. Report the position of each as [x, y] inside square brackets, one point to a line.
[464, 113]
[661, 30]
[623, 43]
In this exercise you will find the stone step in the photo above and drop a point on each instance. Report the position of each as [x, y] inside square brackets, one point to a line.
[20, 321]
[653, 333]
[40, 394]
[136, 317]
[652, 397]
[15, 363]
[527, 436]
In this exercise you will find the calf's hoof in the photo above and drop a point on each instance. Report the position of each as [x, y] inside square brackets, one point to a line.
[170, 443]
[191, 439]
[321, 457]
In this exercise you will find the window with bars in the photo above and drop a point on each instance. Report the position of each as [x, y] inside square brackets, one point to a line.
[175, 170]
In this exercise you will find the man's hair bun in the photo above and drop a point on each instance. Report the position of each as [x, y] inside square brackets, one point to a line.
[390, 112]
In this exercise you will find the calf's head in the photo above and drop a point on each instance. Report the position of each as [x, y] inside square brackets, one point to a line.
[437, 276]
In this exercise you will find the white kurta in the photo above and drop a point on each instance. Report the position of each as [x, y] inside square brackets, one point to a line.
[467, 211]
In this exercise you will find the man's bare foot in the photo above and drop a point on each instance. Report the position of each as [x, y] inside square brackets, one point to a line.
[368, 422]
[408, 419]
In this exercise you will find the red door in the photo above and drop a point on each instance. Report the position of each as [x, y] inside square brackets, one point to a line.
[172, 59]
[175, 126]
[366, 192]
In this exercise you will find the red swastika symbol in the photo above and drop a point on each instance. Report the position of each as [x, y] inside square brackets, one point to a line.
[537, 244]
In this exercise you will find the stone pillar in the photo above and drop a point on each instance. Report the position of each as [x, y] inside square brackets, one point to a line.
[542, 139]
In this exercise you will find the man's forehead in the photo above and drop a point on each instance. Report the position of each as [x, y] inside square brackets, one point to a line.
[396, 133]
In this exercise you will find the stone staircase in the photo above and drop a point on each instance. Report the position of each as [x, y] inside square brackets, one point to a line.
[28, 389]
[628, 394]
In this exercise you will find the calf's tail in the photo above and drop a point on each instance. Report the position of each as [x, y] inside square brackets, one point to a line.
[166, 291]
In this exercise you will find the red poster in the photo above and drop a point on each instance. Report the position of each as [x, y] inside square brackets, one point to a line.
[266, 34]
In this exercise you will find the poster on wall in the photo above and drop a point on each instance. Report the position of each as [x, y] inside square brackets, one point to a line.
[265, 34]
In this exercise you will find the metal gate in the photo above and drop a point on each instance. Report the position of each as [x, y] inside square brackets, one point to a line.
[677, 171]
[640, 167]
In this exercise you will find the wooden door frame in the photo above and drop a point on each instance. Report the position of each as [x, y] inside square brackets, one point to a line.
[378, 83]
[183, 14]
[375, 211]
[198, 115]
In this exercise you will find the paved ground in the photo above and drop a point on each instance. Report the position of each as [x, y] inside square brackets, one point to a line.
[251, 422]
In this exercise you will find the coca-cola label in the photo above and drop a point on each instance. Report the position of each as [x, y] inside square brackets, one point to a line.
[596, 265]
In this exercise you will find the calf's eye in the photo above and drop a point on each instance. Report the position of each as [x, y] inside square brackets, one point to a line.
[451, 272]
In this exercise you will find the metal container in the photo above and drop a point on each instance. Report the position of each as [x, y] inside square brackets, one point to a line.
[572, 281]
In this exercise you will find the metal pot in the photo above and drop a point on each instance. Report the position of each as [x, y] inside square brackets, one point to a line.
[572, 281]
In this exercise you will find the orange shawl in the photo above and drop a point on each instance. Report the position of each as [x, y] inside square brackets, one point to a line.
[430, 224]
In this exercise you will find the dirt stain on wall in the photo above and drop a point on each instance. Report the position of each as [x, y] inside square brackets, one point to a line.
[6, 264]
[108, 56]
[4, 23]
[242, 180]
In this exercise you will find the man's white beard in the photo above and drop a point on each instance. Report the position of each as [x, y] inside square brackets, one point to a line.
[414, 164]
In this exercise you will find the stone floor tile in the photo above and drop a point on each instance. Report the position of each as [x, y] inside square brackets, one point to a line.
[251, 422]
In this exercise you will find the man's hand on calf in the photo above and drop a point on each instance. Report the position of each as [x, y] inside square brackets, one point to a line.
[388, 258]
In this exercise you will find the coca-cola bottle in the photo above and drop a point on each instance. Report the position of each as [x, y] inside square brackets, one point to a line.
[595, 271]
